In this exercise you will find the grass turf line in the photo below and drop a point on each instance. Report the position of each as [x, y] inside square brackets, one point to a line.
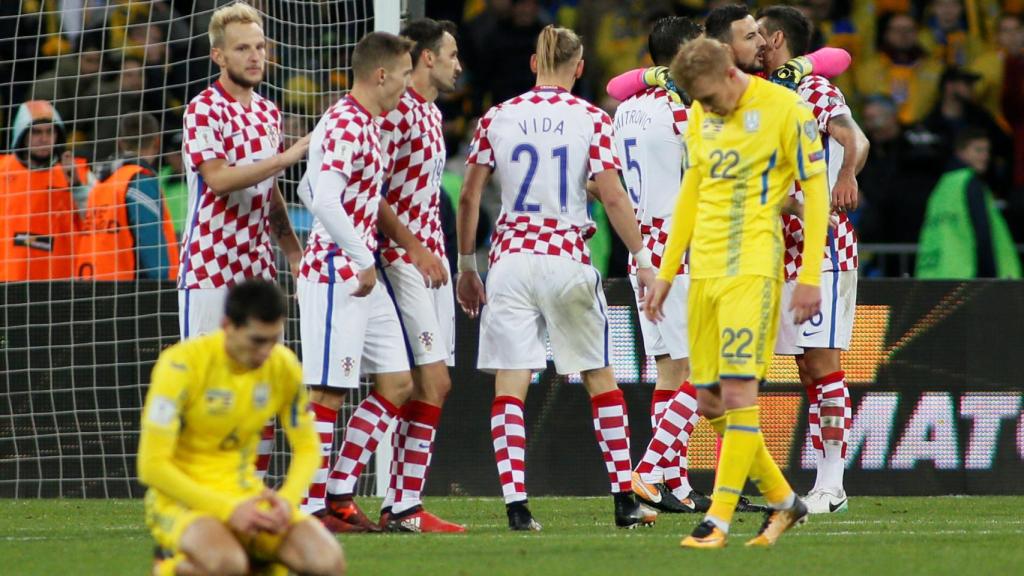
[879, 536]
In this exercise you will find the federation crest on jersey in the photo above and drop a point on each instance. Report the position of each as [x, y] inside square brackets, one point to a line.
[219, 401]
[347, 364]
[752, 120]
[811, 130]
[260, 395]
[427, 339]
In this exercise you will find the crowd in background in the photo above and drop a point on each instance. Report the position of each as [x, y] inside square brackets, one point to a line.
[925, 73]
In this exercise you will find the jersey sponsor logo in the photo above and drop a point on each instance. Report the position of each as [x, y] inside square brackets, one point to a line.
[162, 411]
[809, 334]
[711, 127]
[260, 395]
[752, 120]
[179, 366]
[219, 401]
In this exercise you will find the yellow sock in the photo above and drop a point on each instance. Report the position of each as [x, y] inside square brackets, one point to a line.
[765, 473]
[739, 445]
[168, 566]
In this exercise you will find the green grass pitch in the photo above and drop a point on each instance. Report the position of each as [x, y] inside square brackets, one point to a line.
[879, 536]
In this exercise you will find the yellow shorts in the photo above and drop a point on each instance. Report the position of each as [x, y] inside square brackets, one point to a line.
[733, 324]
[167, 521]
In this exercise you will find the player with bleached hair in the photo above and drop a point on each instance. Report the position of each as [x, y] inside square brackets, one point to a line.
[543, 146]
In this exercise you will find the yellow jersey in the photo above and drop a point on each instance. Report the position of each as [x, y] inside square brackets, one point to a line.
[739, 170]
[202, 419]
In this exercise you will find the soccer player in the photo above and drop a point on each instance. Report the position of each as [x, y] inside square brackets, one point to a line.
[747, 141]
[232, 152]
[412, 137]
[817, 343]
[544, 145]
[207, 402]
[348, 321]
[649, 129]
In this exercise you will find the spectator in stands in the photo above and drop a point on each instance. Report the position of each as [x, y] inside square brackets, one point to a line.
[499, 56]
[120, 96]
[74, 85]
[947, 36]
[172, 181]
[902, 69]
[1003, 66]
[38, 217]
[127, 233]
[898, 175]
[964, 234]
[956, 111]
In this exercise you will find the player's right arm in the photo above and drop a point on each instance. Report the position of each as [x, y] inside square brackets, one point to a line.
[161, 424]
[205, 146]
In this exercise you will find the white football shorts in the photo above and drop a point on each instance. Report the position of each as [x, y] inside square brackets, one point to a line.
[832, 327]
[344, 337]
[532, 298]
[200, 311]
[670, 335]
[428, 314]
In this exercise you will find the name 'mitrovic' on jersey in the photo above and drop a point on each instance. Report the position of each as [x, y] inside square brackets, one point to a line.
[413, 139]
[227, 239]
[827, 102]
[649, 131]
[347, 141]
[544, 145]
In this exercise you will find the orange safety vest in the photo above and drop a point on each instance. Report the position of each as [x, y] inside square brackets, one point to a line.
[106, 246]
[38, 221]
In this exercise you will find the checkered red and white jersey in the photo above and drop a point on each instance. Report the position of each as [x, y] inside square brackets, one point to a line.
[412, 138]
[228, 237]
[655, 237]
[347, 141]
[544, 145]
[649, 131]
[827, 102]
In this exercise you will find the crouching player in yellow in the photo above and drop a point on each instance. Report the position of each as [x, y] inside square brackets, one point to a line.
[747, 141]
[207, 403]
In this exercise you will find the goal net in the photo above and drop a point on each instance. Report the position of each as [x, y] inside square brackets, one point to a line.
[76, 354]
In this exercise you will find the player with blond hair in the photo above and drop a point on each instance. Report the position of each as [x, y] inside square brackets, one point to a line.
[747, 141]
[543, 146]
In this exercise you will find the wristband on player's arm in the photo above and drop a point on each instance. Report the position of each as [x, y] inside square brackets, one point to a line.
[643, 258]
[467, 263]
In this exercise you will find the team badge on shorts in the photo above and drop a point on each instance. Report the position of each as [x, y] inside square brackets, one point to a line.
[427, 339]
[347, 365]
[260, 395]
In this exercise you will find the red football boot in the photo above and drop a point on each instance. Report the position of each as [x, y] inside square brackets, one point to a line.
[419, 520]
[344, 508]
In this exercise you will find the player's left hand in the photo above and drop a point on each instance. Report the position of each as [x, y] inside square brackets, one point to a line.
[806, 302]
[470, 292]
[845, 193]
[431, 267]
[654, 298]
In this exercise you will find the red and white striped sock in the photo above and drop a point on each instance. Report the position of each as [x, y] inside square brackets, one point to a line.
[659, 400]
[324, 419]
[508, 433]
[414, 444]
[362, 434]
[683, 412]
[836, 415]
[670, 437]
[265, 449]
[813, 392]
[611, 426]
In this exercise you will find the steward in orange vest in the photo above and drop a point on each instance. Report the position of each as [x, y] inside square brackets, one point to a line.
[127, 232]
[38, 180]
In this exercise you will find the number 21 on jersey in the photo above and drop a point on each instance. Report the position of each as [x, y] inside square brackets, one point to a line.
[528, 153]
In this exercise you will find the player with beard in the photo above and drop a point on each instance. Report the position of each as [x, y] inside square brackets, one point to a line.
[232, 153]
